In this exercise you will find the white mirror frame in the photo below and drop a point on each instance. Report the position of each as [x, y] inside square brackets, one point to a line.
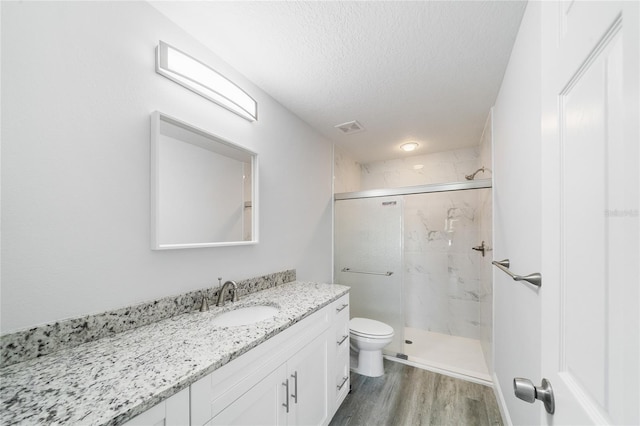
[156, 119]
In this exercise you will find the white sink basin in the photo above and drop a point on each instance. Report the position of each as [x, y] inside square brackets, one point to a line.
[245, 316]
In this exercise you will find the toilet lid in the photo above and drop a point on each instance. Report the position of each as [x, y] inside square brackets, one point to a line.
[369, 328]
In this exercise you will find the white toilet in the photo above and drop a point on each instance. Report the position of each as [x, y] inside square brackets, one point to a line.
[367, 338]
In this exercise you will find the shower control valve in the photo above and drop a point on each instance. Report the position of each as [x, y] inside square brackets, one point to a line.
[481, 248]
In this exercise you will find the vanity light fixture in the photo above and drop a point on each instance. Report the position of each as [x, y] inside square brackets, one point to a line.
[204, 80]
[409, 146]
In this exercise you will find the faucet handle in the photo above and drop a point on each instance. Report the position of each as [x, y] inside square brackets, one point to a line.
[205, 306]
[234, 290]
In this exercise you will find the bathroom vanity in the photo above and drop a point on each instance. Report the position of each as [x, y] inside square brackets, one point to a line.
[298, 377]
[291, 368]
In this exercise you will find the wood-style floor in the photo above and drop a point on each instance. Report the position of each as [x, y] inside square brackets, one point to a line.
[408, 395]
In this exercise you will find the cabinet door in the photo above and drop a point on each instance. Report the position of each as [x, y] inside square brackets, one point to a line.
[261, 405]
[173, 411]
[308, 381]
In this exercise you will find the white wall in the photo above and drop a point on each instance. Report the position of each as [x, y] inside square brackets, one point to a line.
[517, 218]
[79, 85]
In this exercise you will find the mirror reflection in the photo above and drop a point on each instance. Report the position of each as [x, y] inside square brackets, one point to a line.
[203, 188]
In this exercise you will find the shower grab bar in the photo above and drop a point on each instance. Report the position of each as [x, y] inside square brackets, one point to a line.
[535, 279]
[388, 273]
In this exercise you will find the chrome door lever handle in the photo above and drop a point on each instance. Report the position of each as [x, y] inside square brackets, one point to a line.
[527, 391]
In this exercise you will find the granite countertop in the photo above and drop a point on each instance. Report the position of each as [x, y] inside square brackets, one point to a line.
[111, 380]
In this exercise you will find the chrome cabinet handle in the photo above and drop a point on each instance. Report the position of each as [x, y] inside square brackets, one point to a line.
[295, 387]
[341, 308]
[286, 385]
[503, 265]
[341, 341]
[344, 381]
[526, 391]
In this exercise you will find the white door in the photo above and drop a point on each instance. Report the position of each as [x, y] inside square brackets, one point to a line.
[590, 240]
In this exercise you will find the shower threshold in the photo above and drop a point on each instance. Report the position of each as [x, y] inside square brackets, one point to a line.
[453, 356]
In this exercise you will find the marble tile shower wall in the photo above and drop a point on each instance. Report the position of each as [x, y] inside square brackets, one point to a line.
[346, 172]
[443, 290]
[441, 167]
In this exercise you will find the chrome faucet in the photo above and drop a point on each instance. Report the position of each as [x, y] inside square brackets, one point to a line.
[223, 290]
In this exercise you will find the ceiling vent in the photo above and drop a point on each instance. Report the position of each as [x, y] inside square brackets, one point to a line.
[350, 127]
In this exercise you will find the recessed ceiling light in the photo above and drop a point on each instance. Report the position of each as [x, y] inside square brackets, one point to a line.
[409, 146]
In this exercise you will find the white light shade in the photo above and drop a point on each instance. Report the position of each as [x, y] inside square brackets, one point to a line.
[204, 80]
[410, 146]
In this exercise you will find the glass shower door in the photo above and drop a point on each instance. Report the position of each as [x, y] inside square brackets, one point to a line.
[368, 258]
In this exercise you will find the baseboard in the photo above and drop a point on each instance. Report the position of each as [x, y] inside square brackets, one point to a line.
[444, 372]
[502, 404]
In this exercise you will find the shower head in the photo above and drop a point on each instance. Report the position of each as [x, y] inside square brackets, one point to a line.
[473, 175]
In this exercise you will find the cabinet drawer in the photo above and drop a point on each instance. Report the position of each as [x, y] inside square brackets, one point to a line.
[342, 378]
[341, 322]
[342, 335]
[341, 306]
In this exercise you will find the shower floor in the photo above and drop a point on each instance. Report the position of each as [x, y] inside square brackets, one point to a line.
[455, 356]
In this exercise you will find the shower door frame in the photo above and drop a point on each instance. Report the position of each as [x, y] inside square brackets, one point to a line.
[410, 190]
[418, 189]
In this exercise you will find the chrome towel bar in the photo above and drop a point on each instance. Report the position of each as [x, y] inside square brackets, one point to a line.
[388, 273]
[535, 279]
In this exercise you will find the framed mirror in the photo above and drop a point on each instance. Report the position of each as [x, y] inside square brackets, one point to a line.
[203, 188]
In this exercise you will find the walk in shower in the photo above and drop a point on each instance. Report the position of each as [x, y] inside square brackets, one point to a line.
[417, 258]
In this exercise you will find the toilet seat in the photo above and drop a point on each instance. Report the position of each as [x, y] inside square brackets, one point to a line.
[372, 329]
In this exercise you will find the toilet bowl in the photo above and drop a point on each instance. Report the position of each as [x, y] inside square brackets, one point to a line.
[367, 338]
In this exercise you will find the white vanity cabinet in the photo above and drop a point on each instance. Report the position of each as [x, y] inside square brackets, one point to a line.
[300, 376]
[287, 380]
[295, 393]
[173, 411]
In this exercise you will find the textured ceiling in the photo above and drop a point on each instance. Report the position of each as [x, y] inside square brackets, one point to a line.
[427, 71]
